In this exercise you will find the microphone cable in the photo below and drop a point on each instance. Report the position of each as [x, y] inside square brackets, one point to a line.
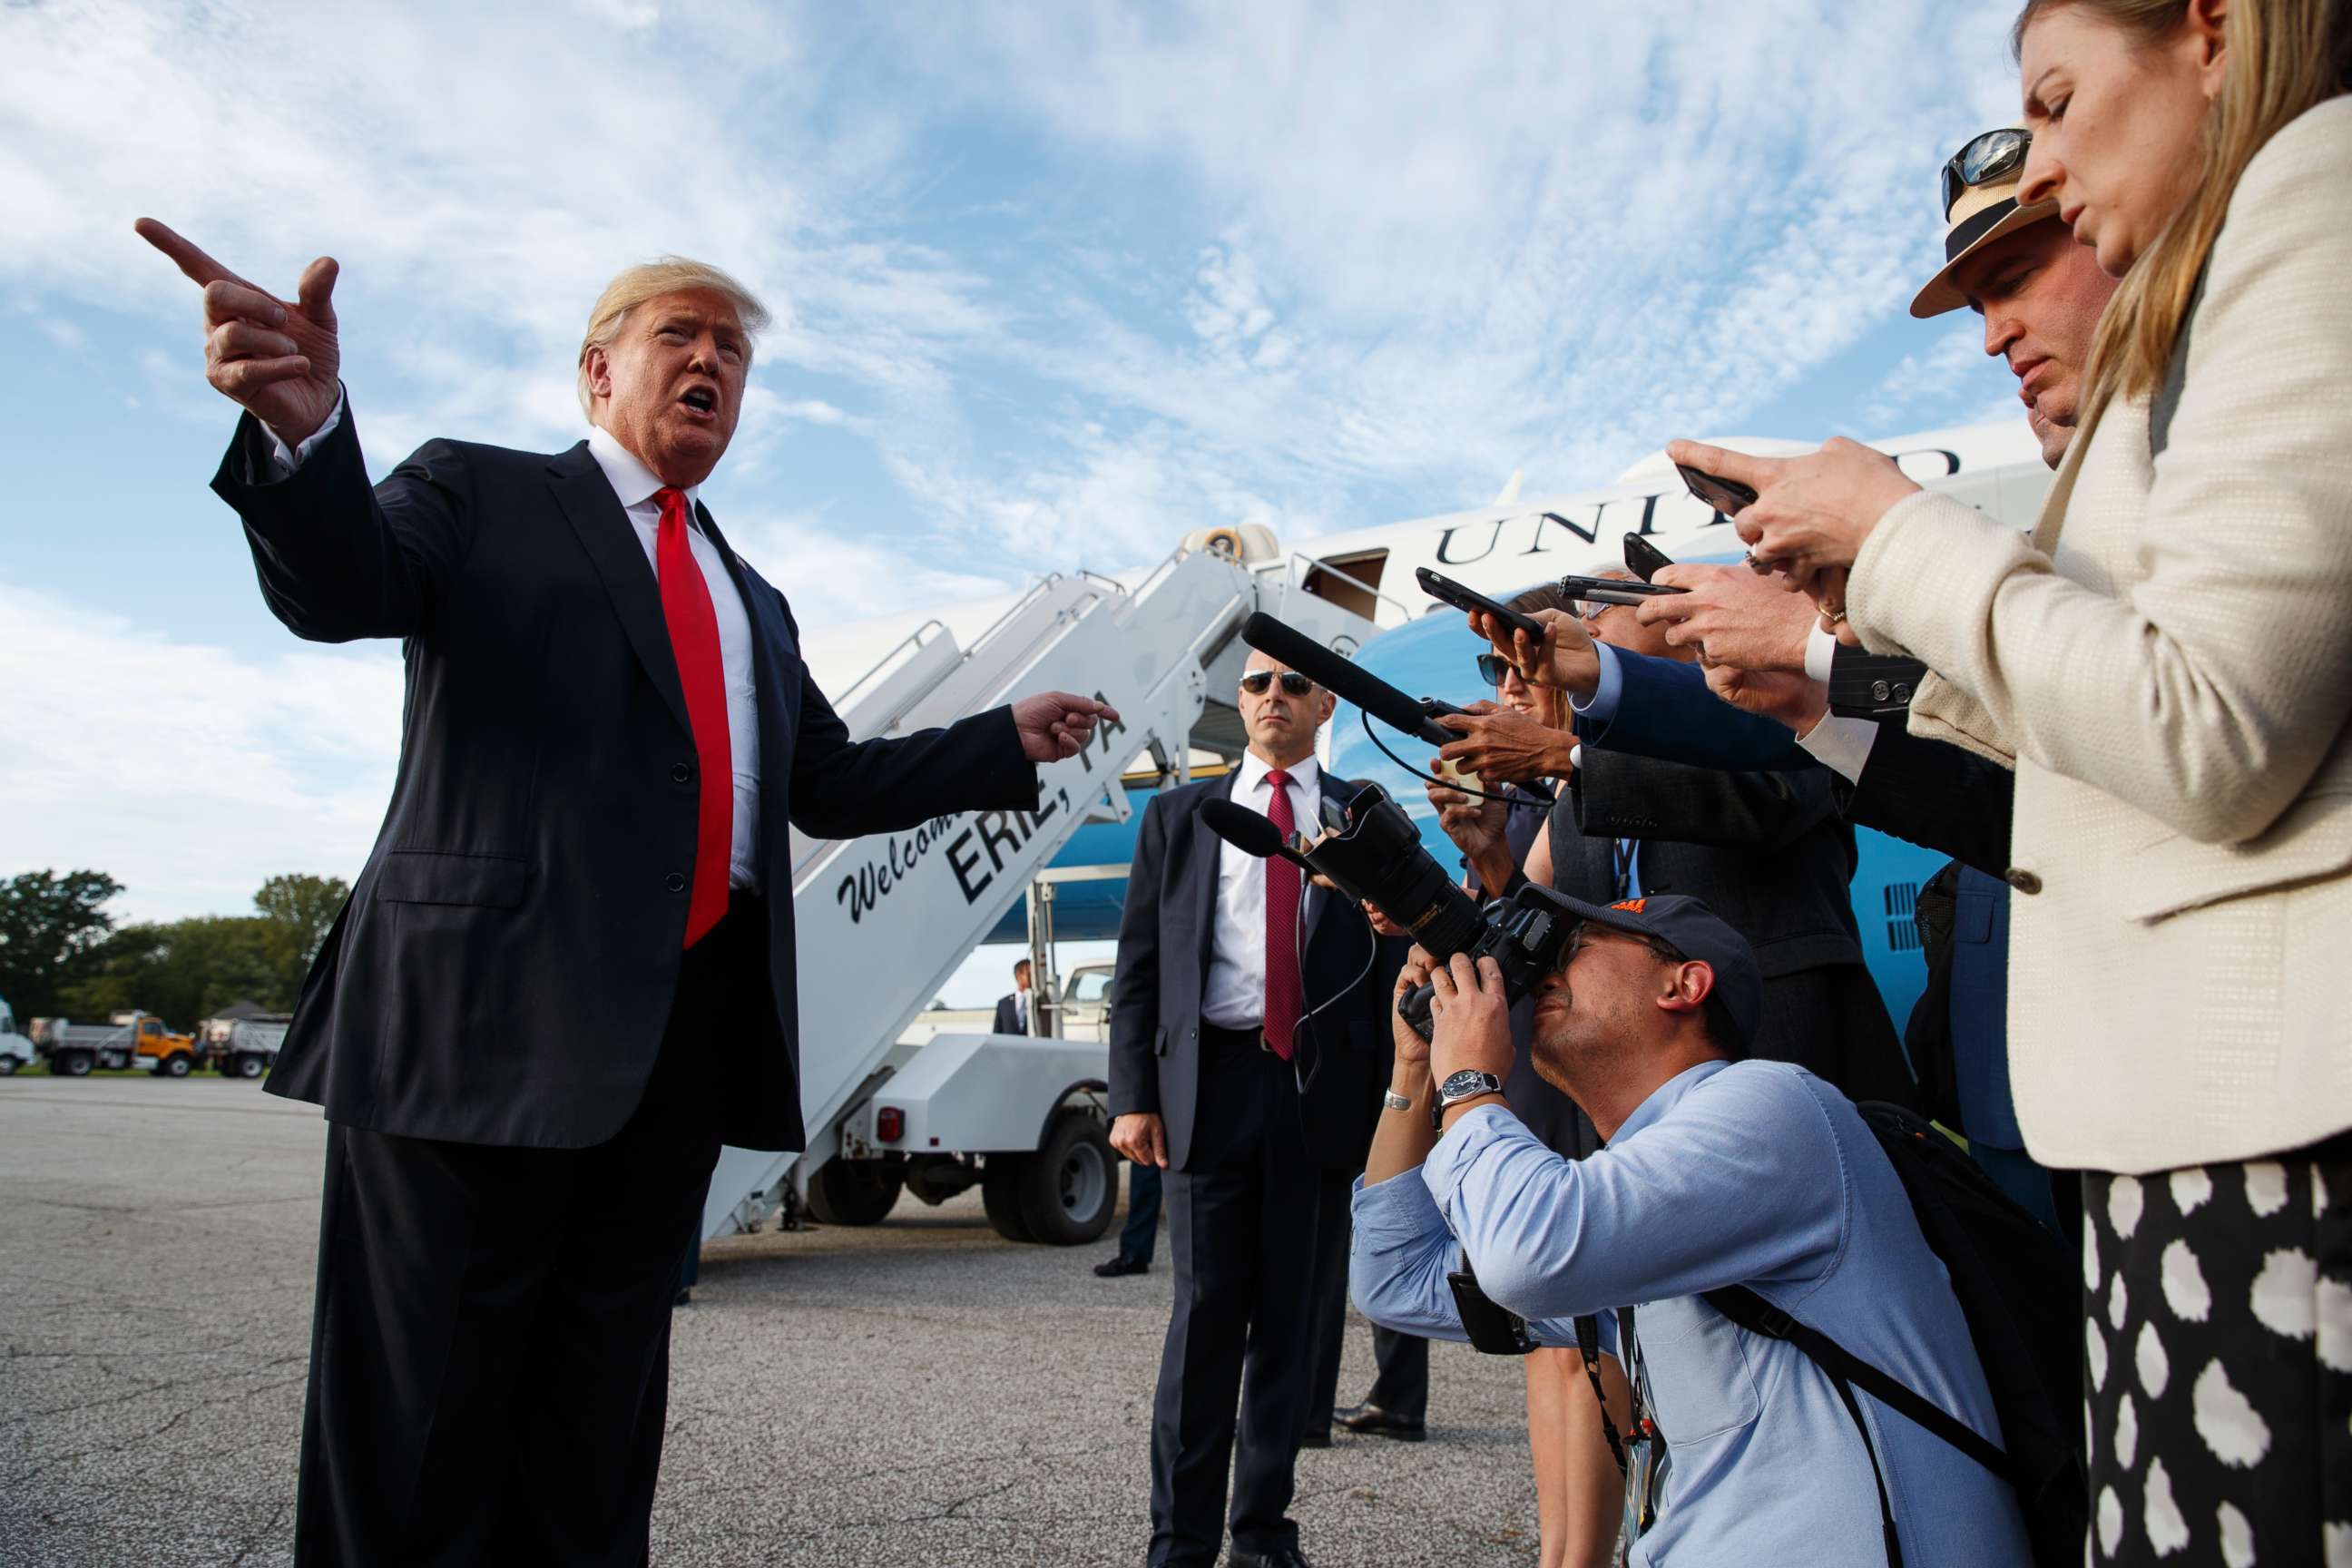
[1537, 790]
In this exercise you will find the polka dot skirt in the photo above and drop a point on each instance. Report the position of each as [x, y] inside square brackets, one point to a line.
[2218, 1362]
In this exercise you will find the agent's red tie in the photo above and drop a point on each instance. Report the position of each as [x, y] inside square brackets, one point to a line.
[694, 641]
[1284, 996]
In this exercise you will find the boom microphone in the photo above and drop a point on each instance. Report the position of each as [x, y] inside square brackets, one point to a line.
[1246, 831]
[1333, 673]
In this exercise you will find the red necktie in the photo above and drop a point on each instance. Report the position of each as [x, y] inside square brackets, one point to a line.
[1284, 996]
[694, 641]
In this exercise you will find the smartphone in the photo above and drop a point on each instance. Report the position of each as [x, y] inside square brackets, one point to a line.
[1614, 590]
[1643, 558]
[1726, 496]
[1447, 590]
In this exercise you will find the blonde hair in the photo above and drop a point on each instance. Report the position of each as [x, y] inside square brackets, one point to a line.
[2283, 58]
[633, 286]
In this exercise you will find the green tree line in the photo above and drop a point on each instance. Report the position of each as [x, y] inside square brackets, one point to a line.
[61, 954]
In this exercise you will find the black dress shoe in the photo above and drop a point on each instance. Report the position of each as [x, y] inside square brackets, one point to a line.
[1371, 1421]
[1280, 1557]
[1120, 1268]
[1316, 1439]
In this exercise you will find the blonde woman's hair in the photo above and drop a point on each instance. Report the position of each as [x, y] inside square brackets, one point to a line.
[633, 286]
[2284, 57]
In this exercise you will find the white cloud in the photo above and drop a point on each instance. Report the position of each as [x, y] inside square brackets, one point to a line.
[1052, 285]
[185, 771]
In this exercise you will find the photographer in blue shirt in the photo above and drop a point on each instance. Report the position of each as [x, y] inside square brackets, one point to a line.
[1718, 1171]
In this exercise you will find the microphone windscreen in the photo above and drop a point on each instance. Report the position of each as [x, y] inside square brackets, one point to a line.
[1245, 829]
[1344, 676]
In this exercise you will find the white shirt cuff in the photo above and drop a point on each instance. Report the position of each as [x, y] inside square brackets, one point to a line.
[1602, 706]
[1820, 651]
[284, 460]
[1841, 743]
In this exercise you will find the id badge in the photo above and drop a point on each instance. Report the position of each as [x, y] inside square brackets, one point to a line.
[1645, 1468]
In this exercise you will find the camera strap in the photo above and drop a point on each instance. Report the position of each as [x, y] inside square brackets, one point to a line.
[1587, 1332]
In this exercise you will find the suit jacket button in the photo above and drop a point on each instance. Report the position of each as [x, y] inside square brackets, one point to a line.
[681, 774]
[2024, 881]
[674, 881]
[1880, 692]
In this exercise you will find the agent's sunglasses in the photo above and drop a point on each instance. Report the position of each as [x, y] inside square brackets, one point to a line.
[1995, 155]
[1293, 683]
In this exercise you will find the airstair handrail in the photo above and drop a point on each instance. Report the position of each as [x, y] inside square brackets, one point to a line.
[912, 639]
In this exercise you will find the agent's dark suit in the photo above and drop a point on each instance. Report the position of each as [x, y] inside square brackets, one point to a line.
[1008, 1015]
[527, 1076]
[1254, 1162]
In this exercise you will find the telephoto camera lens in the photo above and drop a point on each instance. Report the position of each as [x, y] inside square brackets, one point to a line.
[1379, 857]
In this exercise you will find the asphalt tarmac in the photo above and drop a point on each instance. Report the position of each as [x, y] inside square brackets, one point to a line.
[919, 1392]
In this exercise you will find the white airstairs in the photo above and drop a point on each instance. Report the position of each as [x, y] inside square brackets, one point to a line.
[884, 921]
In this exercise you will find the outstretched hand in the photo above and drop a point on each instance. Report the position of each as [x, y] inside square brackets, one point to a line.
[1810, 513]
[279, 362]
[1565, 658]
[1055, 724]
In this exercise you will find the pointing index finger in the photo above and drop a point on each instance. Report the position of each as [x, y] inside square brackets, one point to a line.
[188, 257]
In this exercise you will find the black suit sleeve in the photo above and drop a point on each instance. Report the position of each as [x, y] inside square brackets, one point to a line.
[340, 559]
[1618, 796]
[1135, 985]
[845, 789]
[1934, 794]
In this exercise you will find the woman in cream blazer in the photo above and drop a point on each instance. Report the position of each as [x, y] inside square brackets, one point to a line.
[2168, 664]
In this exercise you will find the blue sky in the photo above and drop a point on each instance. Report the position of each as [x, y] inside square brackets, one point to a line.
[1053, 284]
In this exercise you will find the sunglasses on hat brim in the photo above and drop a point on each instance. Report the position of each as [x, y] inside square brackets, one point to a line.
[1985, 160]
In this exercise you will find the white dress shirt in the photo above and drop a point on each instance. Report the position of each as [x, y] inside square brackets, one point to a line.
[634, 485]
[1234, 998]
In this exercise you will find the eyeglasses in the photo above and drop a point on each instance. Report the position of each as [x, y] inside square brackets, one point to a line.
[1983, 160]
[1293, 683]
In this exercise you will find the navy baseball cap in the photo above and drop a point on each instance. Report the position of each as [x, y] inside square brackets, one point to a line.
[1695, 932]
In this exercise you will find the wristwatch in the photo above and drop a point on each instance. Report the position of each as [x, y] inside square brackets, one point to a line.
[1468, 1084]
[1395, 1101]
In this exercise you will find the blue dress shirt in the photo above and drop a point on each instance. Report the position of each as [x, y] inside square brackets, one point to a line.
[1752, 1172]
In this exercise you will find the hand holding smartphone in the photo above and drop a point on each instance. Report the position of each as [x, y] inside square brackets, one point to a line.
[1726, 496]
[1446, 589]
[1614, 590]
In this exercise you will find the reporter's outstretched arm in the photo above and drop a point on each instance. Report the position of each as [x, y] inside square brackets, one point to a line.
[1665, 711]
[1617, 795]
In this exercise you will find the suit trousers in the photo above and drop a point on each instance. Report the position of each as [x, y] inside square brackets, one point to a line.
[1402, 1385]
[489, 1352]
[1138, 1238]
[1242, 1225]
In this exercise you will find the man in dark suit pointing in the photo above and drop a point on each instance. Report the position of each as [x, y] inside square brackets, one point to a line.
[1247, 1041]
[565, 976]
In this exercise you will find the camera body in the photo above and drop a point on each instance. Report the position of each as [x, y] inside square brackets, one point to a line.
[1378, 857]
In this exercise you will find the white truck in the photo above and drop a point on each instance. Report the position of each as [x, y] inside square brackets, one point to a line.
[16, 1050]
[241, 1047]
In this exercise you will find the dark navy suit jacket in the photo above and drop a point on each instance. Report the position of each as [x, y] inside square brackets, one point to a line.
[1164, 935]
[504, 969]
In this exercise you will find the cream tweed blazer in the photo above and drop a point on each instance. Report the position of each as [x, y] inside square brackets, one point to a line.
[2168, 663]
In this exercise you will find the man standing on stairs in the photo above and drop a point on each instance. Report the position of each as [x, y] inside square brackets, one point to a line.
[1248, 1041]
[565, 976]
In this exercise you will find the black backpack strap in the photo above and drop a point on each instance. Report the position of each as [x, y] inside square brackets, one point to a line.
[1588, 1335]
[1752, 1312]
[1758, 1315]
